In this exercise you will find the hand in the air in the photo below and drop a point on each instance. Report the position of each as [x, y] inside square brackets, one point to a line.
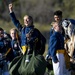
[10, 7]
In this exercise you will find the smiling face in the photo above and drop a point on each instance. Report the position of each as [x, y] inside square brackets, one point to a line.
[27, 21]
[13, 34]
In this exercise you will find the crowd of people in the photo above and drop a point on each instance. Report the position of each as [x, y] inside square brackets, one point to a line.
[23, 39]
[57, 51]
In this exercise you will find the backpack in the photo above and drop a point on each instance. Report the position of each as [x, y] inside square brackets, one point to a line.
[40, 44]
[41, 40]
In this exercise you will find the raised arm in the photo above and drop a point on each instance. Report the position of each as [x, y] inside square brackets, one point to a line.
[13, 17]
[10, 8]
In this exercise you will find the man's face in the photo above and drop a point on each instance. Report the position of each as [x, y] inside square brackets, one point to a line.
[57, 18]
[27, 21]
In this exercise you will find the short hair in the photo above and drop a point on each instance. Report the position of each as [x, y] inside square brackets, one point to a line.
[58, 13]
[1, 29]
[30, 18]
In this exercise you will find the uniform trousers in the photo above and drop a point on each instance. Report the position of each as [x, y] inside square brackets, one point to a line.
[59, 68]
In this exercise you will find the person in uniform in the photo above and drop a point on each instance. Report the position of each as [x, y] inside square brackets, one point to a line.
[56, 51]
[15, 42]
[6, 54]
[28, 33]
[57, 18]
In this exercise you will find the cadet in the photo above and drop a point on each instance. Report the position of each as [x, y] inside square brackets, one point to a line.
[57, 51]
[57, 18]
[28, 33]
[6, 54]
[15, 41]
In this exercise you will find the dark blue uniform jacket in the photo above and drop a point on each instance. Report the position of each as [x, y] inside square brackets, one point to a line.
[15, 44]
[4, 47]
[36, 34]
[23, 30]
[56, 42]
